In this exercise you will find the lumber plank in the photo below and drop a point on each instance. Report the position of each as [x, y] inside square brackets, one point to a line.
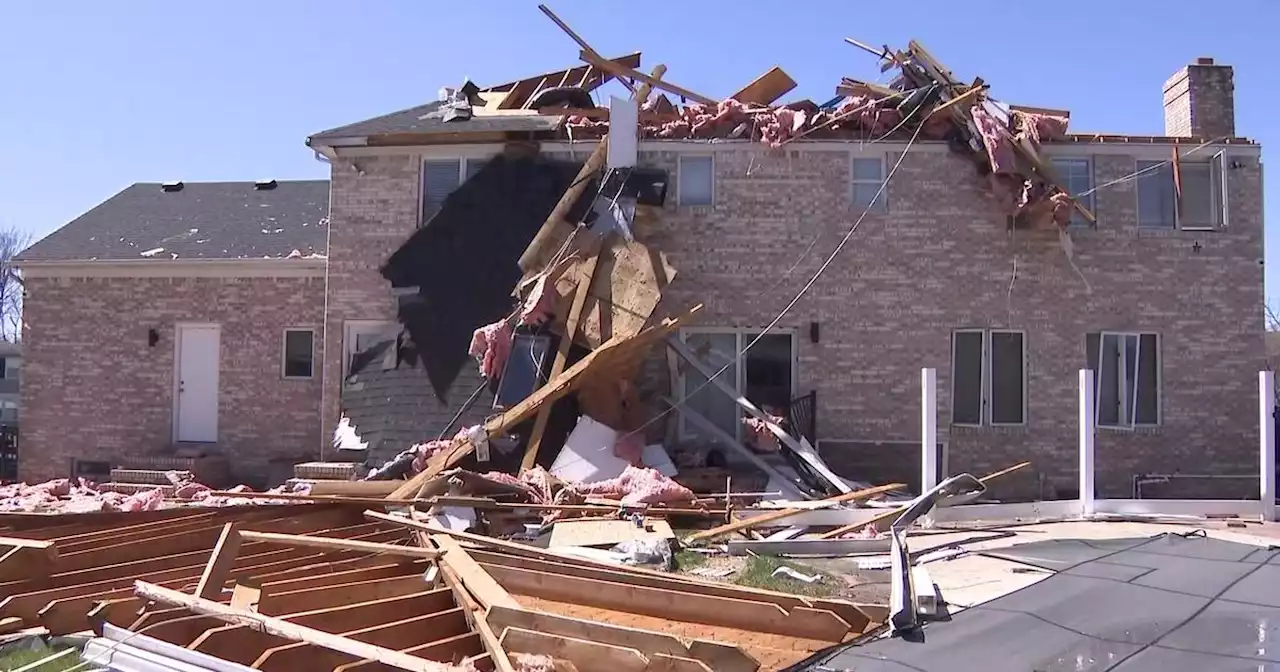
[395, 636]
[21, 562]
[339, 594]
[717, 656]
[445, 650]
[330, 544]
[537, 253]
[663, 663]
[562, 355]
[583, 653]
[782, 514]
[894, 513]
[655, 81]
[766, 88]
[606, 532]
[352, 488]
[659, 603]
[585, 47]
[613, 351]
[221, 560]
[486, 590]
[635, 575]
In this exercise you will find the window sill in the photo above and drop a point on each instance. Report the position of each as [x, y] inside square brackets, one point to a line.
[700, 209]
[991, 430]
[1147, 430]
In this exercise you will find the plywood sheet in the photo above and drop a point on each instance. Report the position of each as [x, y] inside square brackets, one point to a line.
[606, 532]
[625, 290]
[766, 88]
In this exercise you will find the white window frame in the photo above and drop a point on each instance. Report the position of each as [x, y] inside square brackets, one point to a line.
[881, 203]
[462, 175]
[1089, 201]
[688, 429]
[284, 352]
[1122, 369]
[1219, 197]
[984, 418]
[351, 329]
[680, 180]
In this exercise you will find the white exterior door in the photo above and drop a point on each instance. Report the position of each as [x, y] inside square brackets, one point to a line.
[196, 410]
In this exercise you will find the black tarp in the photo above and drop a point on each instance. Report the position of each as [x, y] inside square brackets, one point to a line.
[1171, 603]
[465, 259]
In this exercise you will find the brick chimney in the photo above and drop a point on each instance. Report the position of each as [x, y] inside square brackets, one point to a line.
[1200, 102]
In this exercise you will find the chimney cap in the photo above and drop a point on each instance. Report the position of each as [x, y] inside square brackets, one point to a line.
[1204, 60]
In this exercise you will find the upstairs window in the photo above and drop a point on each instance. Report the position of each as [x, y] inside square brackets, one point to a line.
[439, 178]
[868, 175]
[1076, 176]
[299, 353]
[988, 377]
[696, 180]
[1202, 203]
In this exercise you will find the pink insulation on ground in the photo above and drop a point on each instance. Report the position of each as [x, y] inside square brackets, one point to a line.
[638, 485]
[424, 451]
[62, 496]
[491, 345]
[532, 662]
[630, 447]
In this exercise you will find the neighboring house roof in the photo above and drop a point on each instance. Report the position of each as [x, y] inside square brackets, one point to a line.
[202, 220]
[429, 118]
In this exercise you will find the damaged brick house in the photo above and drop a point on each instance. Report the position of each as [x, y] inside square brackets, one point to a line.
[175, 325]
[1161, 297]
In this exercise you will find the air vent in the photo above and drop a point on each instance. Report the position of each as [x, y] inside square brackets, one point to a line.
[265, 185]
[172, 186]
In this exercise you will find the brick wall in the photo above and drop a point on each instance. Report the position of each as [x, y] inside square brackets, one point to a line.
[94, 389]
[939, 259]
[373, 210]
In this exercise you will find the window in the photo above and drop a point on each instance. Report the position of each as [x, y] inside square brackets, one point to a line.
[765, 375]
[1076, 175]
[1202, 205]
[868, 175]
[299, 353]
[697, 180]
[358, 335]
[1126, 376]
[988, 377]
[440, 177]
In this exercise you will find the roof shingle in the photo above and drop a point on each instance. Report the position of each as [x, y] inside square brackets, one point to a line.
[429, 118]
[203, 220]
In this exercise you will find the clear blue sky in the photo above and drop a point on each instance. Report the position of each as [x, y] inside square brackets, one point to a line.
[98, 95]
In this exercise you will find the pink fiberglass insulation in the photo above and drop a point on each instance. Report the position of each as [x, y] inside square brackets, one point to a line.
[491, 345]
[638, 485]
[1039, 128]
[997, 140]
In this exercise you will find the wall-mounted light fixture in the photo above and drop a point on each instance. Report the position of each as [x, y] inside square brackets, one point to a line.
[813, 332]
[153, 337]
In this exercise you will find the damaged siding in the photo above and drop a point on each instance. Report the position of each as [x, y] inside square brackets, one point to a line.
[96, 389]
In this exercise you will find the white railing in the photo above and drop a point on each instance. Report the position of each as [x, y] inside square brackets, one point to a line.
[1087, 504]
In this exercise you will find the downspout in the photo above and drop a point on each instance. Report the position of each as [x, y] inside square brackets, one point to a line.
[325, 440]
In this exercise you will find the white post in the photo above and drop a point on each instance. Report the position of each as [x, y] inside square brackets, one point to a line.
[928, 429]
[1086, 442]
[1267, 442]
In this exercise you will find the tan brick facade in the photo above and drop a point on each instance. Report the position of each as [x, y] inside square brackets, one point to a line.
[96, 390]
[1199, 101]
[939, 259]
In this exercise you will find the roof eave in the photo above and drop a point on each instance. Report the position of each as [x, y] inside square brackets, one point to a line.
[261, 267]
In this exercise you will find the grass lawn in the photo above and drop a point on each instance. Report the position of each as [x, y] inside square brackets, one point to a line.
[16, 659]
[759, 574]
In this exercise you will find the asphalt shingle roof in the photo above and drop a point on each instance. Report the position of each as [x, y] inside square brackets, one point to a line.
[429, 119]
[204, 220]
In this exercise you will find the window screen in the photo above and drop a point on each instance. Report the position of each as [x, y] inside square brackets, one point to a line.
[1007, 383]
[966, 368]
[1157, 202]
[696, 180]
[439, 179]
[299, 353]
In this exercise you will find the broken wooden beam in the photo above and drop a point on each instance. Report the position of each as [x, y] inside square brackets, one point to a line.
[224, 555]
[758, 521]
[330, 544]
[655, 80]
[766, 88]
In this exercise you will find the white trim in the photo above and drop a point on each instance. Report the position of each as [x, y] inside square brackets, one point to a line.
[188, 268]
[175, 420]
[284, 352]
[582, 148]
[680, 183]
